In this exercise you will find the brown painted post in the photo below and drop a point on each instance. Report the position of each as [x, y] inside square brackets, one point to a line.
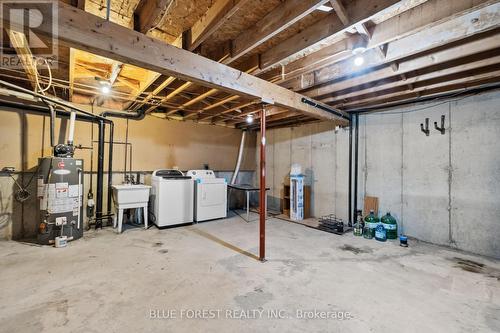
[262, 201]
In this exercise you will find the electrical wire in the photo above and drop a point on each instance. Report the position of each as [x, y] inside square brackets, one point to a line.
[49, 70]
[22, 194]
[96, 89]
[151, 102]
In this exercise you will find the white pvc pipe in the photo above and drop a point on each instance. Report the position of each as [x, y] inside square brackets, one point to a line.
[71, 133]
[240, 157]
[79, 197]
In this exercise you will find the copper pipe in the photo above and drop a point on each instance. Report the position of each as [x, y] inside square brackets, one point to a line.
[262, 201]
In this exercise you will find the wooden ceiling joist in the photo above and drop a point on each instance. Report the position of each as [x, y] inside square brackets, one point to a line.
[358, 11]
[437, 61]
[324, 57]
[456, 28]
[418, 80]
[212, 20]
[279, 19]
[86, 31]
[340, 10]
[149, 14]
[431, 12]
[236, 108]
[437, 89]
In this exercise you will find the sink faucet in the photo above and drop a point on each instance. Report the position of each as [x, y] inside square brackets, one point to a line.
[129, 179]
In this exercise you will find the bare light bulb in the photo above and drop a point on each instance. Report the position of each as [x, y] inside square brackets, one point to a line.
[249, 119]
[359, 60]
[105, 89]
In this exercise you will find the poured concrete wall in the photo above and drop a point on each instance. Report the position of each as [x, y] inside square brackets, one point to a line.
[313, 147]
[443, 189]
[156, 144]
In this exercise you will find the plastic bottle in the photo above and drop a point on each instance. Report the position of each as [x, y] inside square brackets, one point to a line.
[390, 225]
[380, 233]
[371, 222]
[358, 226]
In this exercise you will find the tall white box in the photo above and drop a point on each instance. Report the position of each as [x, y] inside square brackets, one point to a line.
[297, 197]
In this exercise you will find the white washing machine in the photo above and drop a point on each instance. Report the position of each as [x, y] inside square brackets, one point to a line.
[172, 197]
[210, 195]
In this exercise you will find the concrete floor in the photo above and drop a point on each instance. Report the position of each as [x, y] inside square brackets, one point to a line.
[109, 282]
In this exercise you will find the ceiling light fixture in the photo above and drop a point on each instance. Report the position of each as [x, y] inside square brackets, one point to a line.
[358, 47]
[359, 60]
[105, 87]
[249, 118]
[325, 9]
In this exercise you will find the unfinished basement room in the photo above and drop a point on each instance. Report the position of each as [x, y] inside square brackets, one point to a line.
[249, 166]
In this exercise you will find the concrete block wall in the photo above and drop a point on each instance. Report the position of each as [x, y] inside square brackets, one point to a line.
[444, 189]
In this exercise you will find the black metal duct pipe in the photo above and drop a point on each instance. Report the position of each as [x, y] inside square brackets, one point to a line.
[50, 99]
[356, 165]
[110, 164]
[139, 115]
[100, 151]
[350, 172]
[52, 124]
[100, 174]
[322, 107]
[43, 110]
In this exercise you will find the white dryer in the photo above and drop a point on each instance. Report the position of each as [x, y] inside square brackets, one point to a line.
[172, 197]
[210, 195]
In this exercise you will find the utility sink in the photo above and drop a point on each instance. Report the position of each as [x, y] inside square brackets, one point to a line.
[129, 194]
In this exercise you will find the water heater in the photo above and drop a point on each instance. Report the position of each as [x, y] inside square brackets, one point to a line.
[59, 191]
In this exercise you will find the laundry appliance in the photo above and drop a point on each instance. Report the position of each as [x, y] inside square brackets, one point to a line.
[210, 195]
[172, 197]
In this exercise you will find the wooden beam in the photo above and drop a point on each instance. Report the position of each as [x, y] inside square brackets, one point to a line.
[212, 20]
[431, 12]
[358, 11]
[485, 18]
[277, 20]
[149, 13]
[86, 31]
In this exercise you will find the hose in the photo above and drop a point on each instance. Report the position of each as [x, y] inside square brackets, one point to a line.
[240, 157]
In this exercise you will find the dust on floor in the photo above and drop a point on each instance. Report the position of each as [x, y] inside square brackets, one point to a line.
[205, 277]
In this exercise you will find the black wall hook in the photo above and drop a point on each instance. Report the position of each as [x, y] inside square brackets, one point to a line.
[426, 129]
[440, 129]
